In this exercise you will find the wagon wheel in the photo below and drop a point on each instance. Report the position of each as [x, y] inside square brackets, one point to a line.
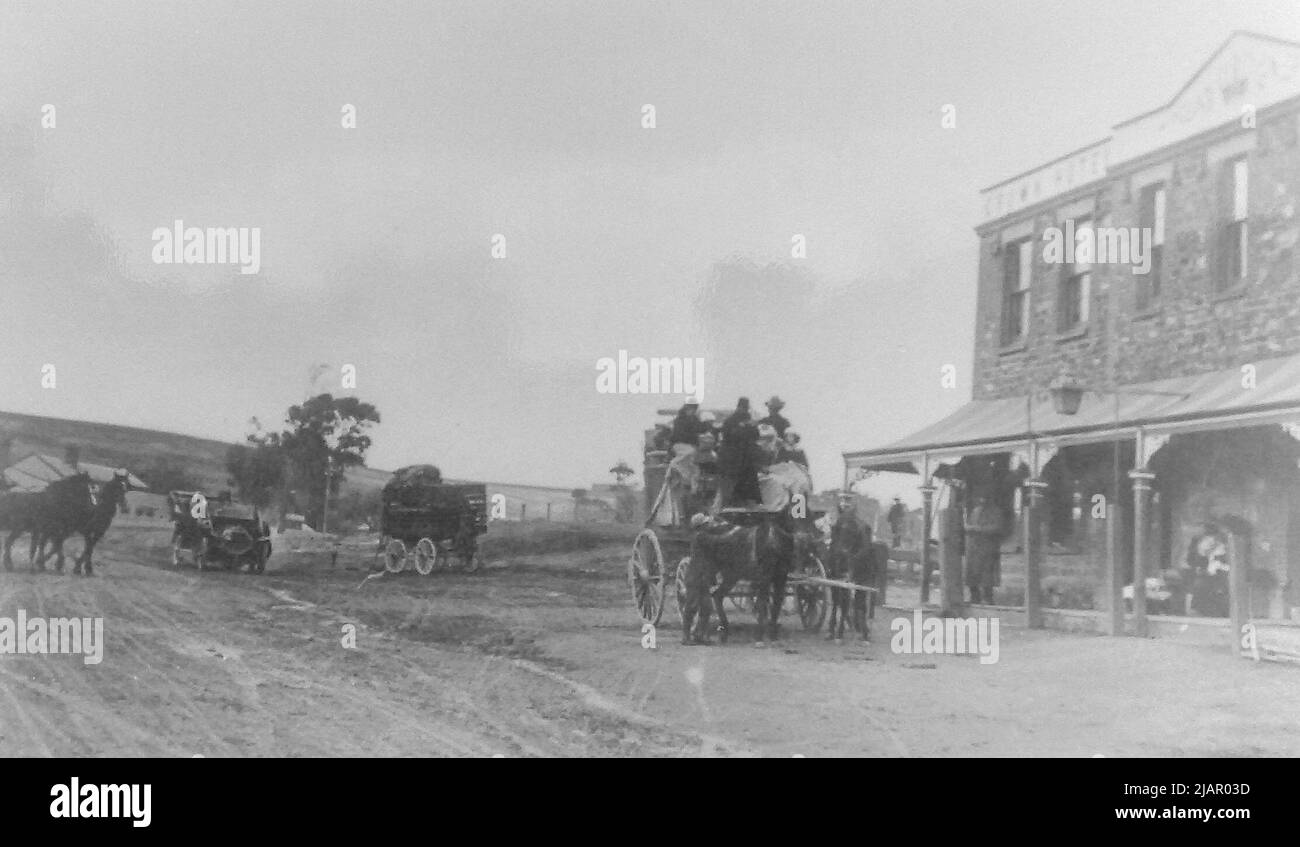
[645, 571]
[395, 556]
[426, 557]
[812, 599]
[680, 584]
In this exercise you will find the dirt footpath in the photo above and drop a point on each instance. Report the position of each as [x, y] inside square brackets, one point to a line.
[542, 656]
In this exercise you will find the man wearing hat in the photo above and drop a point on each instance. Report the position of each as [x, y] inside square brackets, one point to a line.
[774, 419]
[683, 470]
[897, 514]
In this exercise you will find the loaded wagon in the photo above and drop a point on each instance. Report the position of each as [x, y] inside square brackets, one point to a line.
[429, 524]
[218, 532]
[661, 550]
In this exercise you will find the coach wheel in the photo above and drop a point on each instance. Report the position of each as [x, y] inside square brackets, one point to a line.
[426, 557]
[395, 556]
[645, 572]
[680, 584]
[812, 599]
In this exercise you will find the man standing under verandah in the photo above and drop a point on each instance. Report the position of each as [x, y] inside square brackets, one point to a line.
[983, 548]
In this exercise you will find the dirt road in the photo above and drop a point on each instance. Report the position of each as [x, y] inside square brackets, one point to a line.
[542, 656]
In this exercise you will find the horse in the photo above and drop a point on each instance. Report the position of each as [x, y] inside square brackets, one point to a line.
[112, 497]
[52, 514]
[864, 566]
[721, 555]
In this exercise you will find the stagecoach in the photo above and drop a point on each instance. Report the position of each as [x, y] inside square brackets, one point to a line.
[218, 531]
[429, 524]
[661, 550]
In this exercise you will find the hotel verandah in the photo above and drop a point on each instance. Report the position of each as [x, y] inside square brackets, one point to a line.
[1191, 373]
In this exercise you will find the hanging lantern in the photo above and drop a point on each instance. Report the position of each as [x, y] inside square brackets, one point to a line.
[1067, 394]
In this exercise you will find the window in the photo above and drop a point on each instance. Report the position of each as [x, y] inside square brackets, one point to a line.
[1151, 218]
[1018, 270]
[1076, 279]
[1235, 232]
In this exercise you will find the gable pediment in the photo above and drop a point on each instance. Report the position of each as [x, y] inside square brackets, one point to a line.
[1247, 74]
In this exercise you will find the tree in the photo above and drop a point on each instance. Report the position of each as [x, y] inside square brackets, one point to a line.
[258, 469]
[165, 474]
[326, 435]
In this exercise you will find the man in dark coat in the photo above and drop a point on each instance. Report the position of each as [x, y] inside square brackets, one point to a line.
[774, 419]
[687, 426]
[897, 513]
[738, 459]
[983, 548]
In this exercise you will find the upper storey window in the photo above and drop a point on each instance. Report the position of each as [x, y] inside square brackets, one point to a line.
[1075, 292]
[1017, 272]
[1234, 231]
[1151, 218]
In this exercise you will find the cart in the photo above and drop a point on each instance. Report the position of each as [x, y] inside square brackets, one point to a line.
[432, 525]
[661, 550]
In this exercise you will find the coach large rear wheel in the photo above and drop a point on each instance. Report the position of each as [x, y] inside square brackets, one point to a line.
[395, 556]
[426, 557]
[645, 571]
[812, 599]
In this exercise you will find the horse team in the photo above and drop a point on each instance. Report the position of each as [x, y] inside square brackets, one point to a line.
[66, 507]
[763, 551]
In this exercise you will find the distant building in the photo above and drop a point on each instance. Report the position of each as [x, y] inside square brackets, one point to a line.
[38, 470]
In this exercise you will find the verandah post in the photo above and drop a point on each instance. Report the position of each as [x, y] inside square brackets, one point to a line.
[1141, 497]
[927, 520]
[1114, 573]
[1034, 553]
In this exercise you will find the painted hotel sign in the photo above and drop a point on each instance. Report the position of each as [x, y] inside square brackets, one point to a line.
[1249, 73]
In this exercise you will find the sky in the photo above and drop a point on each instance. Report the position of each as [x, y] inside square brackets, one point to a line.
[525, 120]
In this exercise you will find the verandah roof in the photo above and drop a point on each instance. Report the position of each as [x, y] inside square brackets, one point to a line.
[1214, 400]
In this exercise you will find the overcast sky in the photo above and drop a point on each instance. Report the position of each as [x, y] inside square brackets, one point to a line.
[524, 119]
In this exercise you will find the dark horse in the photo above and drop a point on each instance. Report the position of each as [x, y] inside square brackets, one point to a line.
[865, 565]
[112, 497]
[760, 549]
[63, 507]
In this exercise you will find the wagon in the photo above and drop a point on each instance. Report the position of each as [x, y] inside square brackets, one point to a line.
[218, 531]
[661, 550]
[430, 525]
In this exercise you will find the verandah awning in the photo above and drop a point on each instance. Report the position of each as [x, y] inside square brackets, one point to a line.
[1214, 400]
